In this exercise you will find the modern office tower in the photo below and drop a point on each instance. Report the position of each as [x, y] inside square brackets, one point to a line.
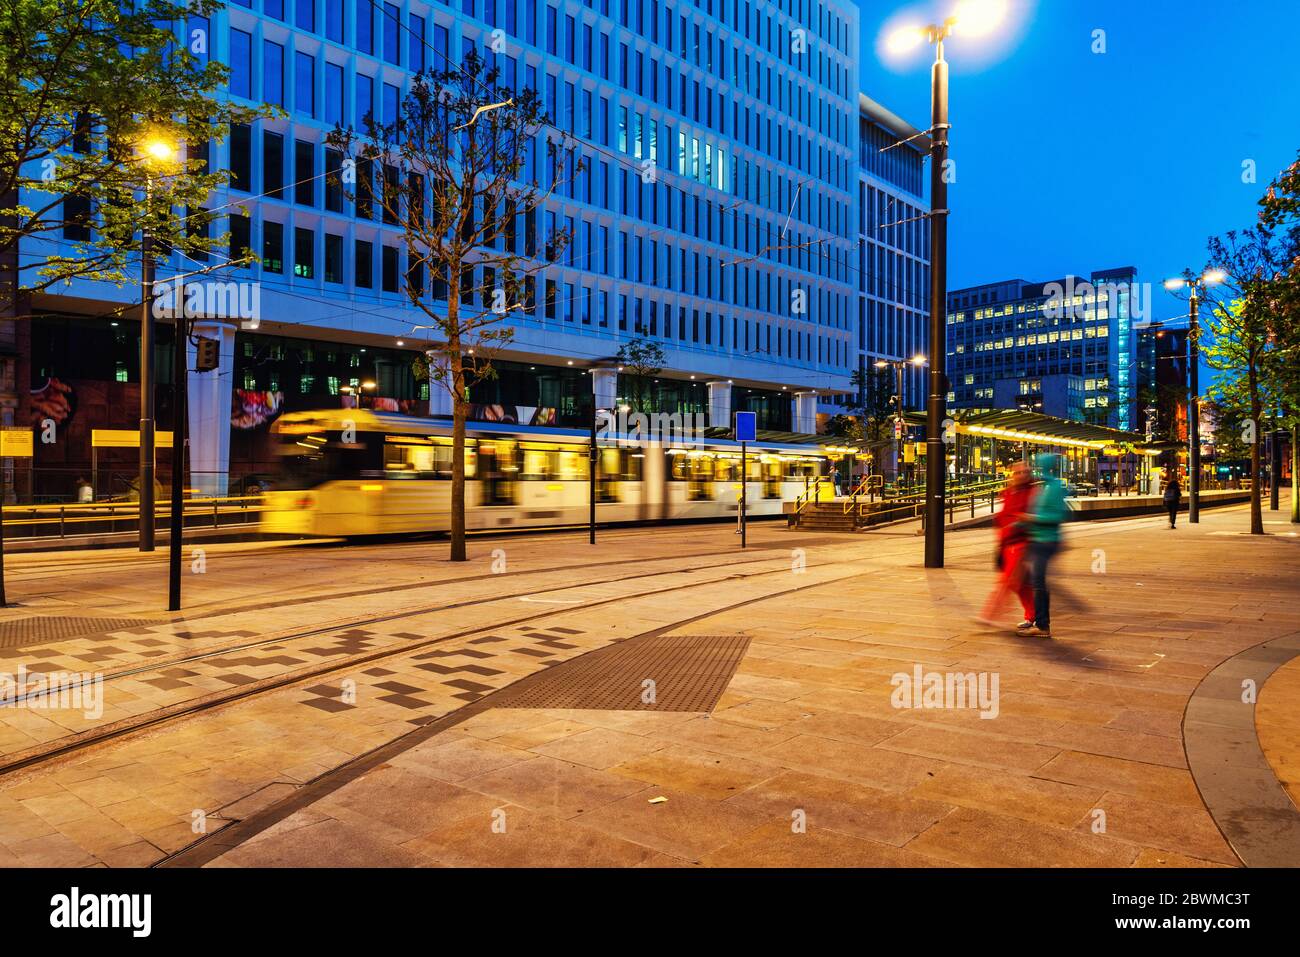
[1063, 348]
[1163, 381]
[737, 256]
[893, 269]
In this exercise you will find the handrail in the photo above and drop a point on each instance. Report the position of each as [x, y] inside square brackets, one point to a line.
[79, 513]
[812, 485]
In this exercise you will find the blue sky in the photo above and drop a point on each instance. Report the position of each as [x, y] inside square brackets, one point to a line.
[1070, 160]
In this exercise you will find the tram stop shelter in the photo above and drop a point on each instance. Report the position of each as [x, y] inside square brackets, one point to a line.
[987, 441]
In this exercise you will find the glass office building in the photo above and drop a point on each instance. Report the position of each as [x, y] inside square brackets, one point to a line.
[1064, 348]
[742, 255]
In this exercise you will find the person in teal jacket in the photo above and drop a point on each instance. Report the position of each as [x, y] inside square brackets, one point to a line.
[1047, 510]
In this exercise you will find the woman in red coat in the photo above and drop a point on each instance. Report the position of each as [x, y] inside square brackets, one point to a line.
[1012, 538]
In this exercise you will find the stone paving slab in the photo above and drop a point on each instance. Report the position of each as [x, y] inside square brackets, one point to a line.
[807, 761]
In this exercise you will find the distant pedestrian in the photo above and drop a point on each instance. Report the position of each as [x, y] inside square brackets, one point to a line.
[1173, 495]
[1012, 529]
[835, 479]
[85, 491]
[1047, 510]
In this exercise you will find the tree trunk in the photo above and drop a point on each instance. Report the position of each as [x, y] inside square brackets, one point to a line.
[459, 408]
[1256, 512]
[1295, 473]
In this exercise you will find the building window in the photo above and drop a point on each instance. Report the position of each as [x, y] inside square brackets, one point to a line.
[272, 165]
[304, 173]
[272, 73]
[241, 157]
[305, 81]
[334, 20]
[333, 258]
[333, 94]
[241, 64]
[241, 236]
[390, 268]
[392, 34]
[273, 247]
[304, 253]
[364, 264]
[365, 26]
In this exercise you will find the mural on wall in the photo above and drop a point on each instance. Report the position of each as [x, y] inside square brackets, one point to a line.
[251, 408]
[55, 400]
[514, 414]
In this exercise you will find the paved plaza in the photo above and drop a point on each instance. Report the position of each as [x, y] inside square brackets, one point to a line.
[662, 698]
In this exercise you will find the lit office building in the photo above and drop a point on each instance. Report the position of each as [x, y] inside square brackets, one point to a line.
[738, 257]
[893, 270]
[1064, 348]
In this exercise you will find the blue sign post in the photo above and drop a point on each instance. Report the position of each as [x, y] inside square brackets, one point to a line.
[746, 429]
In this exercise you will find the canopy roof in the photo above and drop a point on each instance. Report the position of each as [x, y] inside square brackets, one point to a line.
[1035, 428]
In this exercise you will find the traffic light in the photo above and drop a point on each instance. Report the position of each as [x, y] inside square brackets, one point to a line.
[208, 355]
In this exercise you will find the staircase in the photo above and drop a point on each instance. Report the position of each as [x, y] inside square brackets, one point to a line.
[826, 517]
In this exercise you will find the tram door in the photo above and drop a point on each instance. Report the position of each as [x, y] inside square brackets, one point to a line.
[497, 471]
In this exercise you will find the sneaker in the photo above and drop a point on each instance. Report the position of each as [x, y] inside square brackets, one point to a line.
[1025, 628]
[1038, 632]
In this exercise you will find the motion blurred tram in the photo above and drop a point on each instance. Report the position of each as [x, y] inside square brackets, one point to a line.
[352, 473]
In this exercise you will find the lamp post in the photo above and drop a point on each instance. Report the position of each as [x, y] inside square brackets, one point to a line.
[971, 17]
[1196, 288]
[153, 151]
[900, 427]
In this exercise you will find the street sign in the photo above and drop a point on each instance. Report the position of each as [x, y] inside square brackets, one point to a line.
[746, 426]
[126, 439]
[898, 428]
[16, 442]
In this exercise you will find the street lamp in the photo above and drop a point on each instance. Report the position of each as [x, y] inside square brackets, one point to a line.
[900, 426]
[969, 18]
[360, 391]
[1196, 287]
[154, 152]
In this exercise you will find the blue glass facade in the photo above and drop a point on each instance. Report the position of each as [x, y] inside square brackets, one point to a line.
[1077, 327]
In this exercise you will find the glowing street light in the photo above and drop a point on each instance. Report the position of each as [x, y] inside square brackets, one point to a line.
[973, 18]
[1196, 287]
[156, 151]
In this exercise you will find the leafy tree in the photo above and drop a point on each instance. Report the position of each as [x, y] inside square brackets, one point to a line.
[642, 359]
[85, 86]
[459, 167]
[1280, 210]
[1241, 337]
[877, 404]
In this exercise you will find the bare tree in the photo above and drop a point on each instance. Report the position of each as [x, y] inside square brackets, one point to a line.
[460, 166]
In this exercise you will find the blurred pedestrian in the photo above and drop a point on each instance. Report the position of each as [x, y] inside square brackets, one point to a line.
[1172, 496]
[1011, 522]
[1047, 510]
[85, 491]
[835, 479]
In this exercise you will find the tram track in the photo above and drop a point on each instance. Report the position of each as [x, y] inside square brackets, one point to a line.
[280, 602]
[79, 741]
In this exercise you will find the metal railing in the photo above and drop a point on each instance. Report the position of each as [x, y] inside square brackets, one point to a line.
[62, 520]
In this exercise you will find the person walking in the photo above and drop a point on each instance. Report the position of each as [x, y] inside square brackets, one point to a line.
[1047, 510]
[1173, 495]
[1012, 537]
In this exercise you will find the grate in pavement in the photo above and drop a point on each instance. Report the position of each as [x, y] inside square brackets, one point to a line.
[690, 673]
[38, 630]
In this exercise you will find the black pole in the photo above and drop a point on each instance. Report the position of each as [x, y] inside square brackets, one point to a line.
[180, 396]
[902, 426]
[1194, 413]
[1275, 470]
[591, 478]
[934, 457]
[146, 496]
[744, 484]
